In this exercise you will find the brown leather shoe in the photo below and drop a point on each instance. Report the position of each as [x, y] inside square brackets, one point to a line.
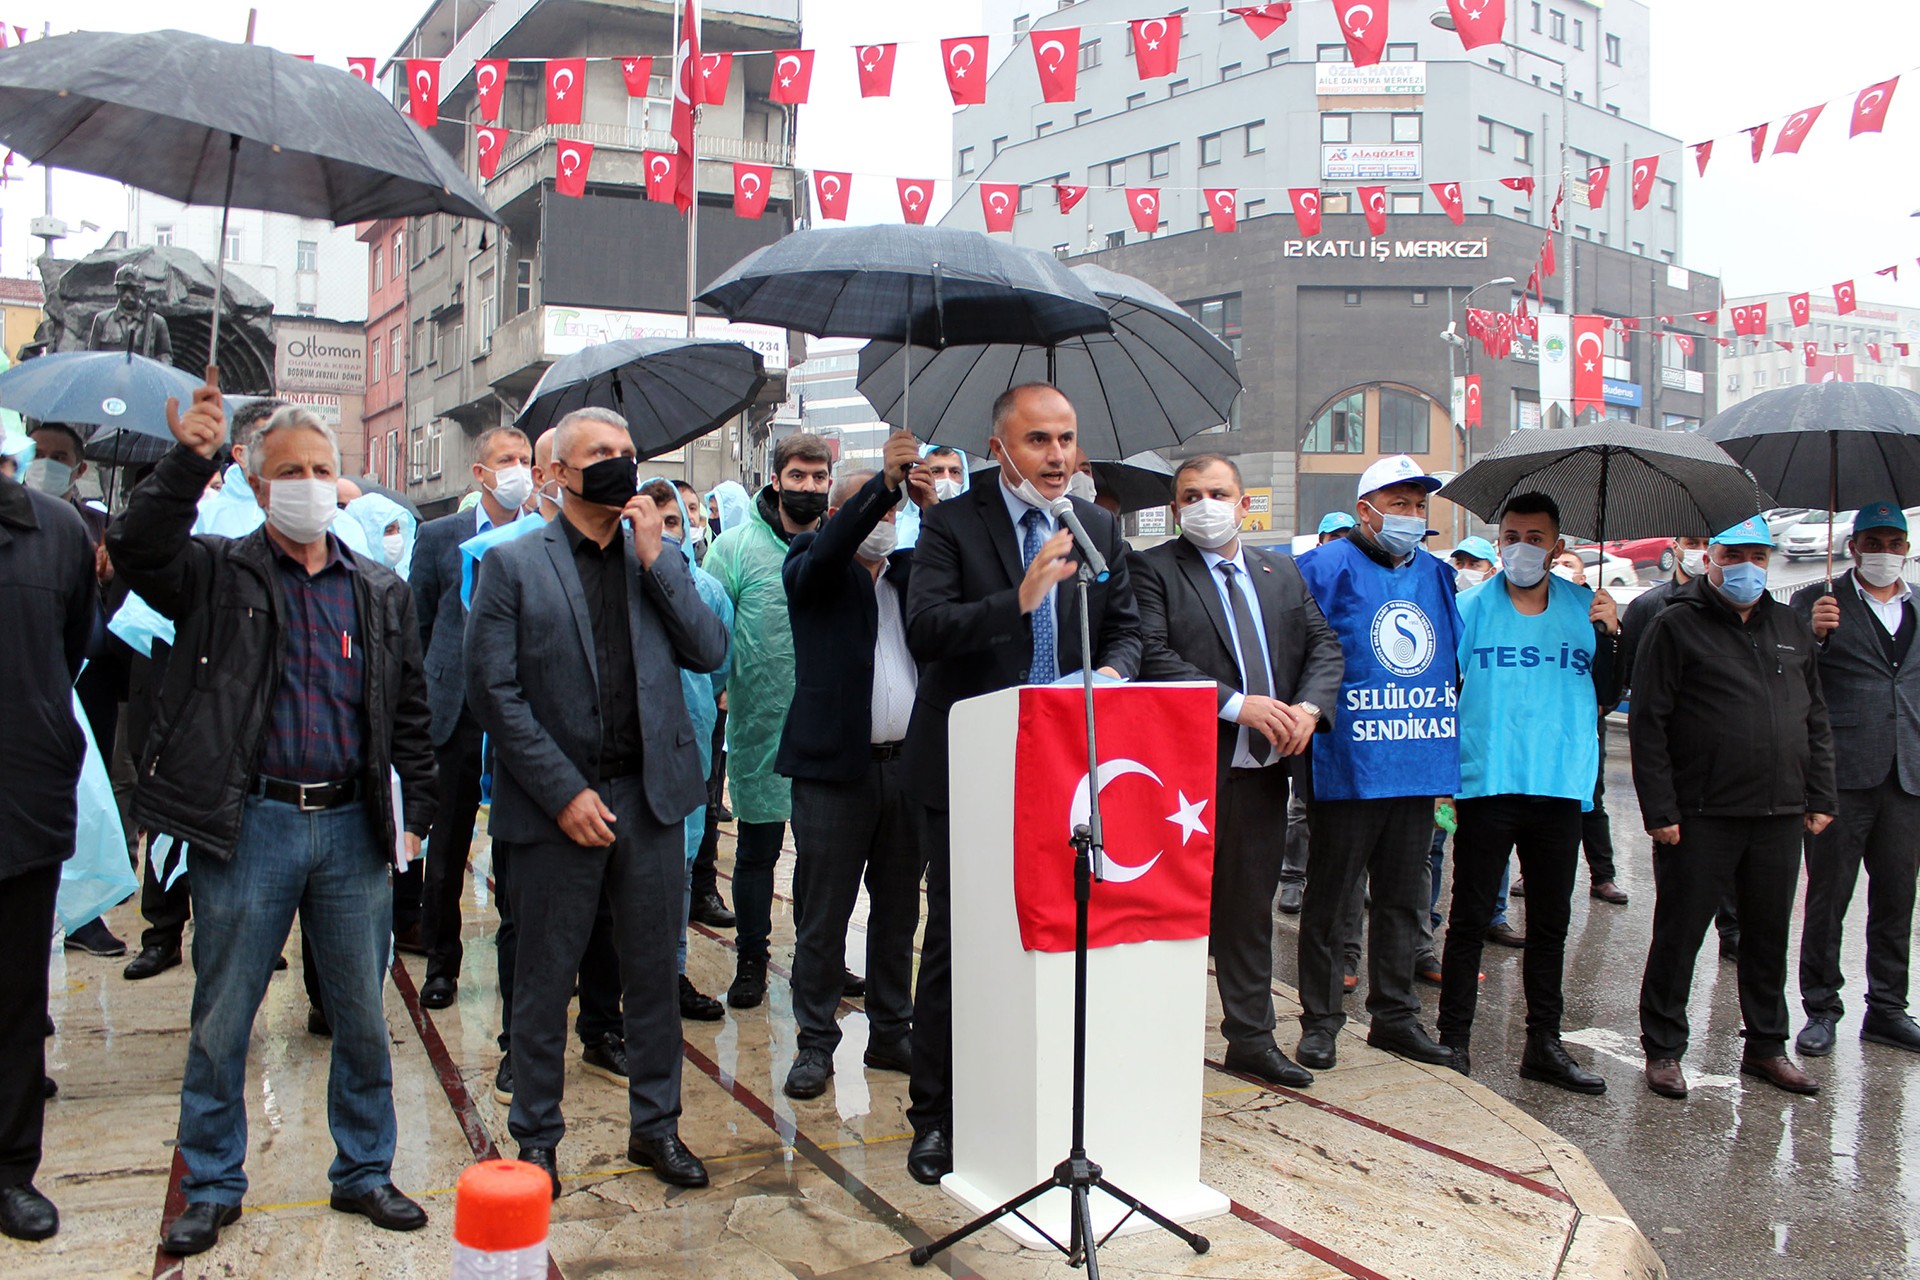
[1665, 1078]
[1506, 935]
[1608, 891]
[1779, 1072]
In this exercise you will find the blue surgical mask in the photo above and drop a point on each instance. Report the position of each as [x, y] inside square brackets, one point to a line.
[1399, 534]
[1742, 583]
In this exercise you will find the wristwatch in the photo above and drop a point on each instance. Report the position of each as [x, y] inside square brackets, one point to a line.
[1311, 710]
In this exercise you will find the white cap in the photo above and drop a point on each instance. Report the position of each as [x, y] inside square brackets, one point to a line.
[1399, 469]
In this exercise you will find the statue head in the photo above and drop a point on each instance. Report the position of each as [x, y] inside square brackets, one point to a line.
[132, 290]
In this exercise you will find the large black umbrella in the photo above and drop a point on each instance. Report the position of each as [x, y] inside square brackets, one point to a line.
[1158, 378]
[670, 390]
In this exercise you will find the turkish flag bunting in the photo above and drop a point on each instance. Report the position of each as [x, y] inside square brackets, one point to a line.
[488, 142]
[423, 91]
[875, 62]
[1725, 342]
[1156, 46]
[1589, 390]
[751, 183]
[1684, 342]
[999, 200]
[1795, 130]
[1223, 204]
[1306, 209]
[1263, 19]
[1702, 152]
[1843, 297]
[1373, 203]
[792, 76]
[1451, 204]
[1784, 346]
[1476, 321]
[662, 174]
[831, 190]
[565, 90]
[1533, 287]
[1893, 271]
[1056, 55]
[1756, 320]
[1873, 352]
[570, 164]
[1904, 348]
[1800, 305]
[361, 68]
[489, 79]
[1870, 108]
[1156, 788]
[1758, 136]
[1813, 353]
[638, 74]
[966, 62]
[1548, 264]
[1473, 400]
[1518, 184]
[1645, 170]
[1706, 317]
[915, 195]
[1666, 320]
[1144, 204]
[1364, 24]
[686, 95]
[1067, 197]
[716, 71]
[1629, 324]
[1478, 22]
[1597, 185]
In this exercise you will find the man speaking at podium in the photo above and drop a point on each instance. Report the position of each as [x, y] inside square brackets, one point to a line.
[1213, 608]
[992, 605]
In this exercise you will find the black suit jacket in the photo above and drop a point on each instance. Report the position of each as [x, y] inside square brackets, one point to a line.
[435, 579]
[1874, 710]
[1187, 638]
[965, 627]
[830, 602]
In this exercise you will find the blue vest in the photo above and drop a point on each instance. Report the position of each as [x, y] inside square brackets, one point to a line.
[1528, 709]
[1396, 731]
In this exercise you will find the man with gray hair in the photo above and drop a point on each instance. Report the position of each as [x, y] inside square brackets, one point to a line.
[293, 696]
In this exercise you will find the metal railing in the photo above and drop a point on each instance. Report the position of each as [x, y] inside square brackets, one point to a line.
[620, 137]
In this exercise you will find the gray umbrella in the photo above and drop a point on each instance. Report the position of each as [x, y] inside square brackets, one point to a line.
[670, 390]
[97, 388]
[1615, 480]
[1158, 378]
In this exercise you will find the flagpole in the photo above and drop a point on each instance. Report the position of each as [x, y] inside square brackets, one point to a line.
[693, 163]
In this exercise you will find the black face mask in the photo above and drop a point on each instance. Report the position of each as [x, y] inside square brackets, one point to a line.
[803, 508]
[610, 482]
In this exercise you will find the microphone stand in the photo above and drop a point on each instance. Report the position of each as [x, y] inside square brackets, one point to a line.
[1078, 1175]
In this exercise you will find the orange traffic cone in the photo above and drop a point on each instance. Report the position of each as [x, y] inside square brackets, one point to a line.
[500, 1222]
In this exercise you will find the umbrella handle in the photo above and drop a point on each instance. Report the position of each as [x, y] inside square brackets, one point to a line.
[220, 258]
[1833, 495]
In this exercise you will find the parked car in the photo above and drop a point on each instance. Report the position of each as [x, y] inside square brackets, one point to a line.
[1616, 571]
[1645, 553]
[1807, 538]
[1781, 519]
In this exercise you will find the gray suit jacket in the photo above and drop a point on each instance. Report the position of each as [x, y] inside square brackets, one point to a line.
[435, 580]
[1875, 714]
[533, 682]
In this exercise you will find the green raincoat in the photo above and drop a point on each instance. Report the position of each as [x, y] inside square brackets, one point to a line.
[746, 558]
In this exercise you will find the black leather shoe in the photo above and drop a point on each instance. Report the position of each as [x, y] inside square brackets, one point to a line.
[95, 939]
[669, 1159]
[808, 1076]
[852, 985]
[50, 1088]
[1730, 948]
[150, 961]
[542, 1158]
[438, 993]
[749, 983]
[384, 1207]
[1816, 1038]
[25, 1214]
[711, 910]
[280, 964]
[930, 1158]
[1315, 1050]
[1409, 1040]
[1547, 1060]
[317, 1024]
[696, 1006]
[1268, 1064]
[890, 1055]
[409, 941]
[606, 1058]
[1895, 1029]
[1292, 895]
[503, 1082]
[1462, 1060]
[197, 1229]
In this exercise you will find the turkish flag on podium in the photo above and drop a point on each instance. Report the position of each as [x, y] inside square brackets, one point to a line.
[1156, 787]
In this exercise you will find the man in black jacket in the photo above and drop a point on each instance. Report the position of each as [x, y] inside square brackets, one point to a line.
[853, 696]
[293, 694]
[1733, 759]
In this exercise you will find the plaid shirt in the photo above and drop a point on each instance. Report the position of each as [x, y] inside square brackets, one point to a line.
[315, 730]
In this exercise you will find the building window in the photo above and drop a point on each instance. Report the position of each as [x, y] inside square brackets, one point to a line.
[1579, 34]
[1419, 297]
[233, 246]
[1117, 173]
[1042, 129]
[1252, 209]
[1523, 212]
[1231, 71]
[1023, 203]
[374, 370]
[393, 458]
[1403, 53]
[1336, 202]
[1667, 190]
[1336, 127]
[487, 293]
[1221, 318]
[1136, 100]
[1277, 56]
[1116, 239]
[376, 261]
[1340, 428]
[163, 235]
[1486, 134]
[417, 349]
[999, 144]
[393, 349]
[1063, 251]
[1256, 137]
[306, 255]
[965, 163]
[1352, 298]
[1210, 150]
[1404, 202]
[1160, 162]
[1089, 54]
[1081, 117]
[1613, 50]
[1522, 146]
[1557, 26]
[1332, 53]
[1406, 127]
[522, 286]
[1486, 204]
[1404, 420]
[1536, 15]
[1759, 377]
[399, 253]
[1178, 87]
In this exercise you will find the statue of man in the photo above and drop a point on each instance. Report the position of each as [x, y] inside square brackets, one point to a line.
[131, 318]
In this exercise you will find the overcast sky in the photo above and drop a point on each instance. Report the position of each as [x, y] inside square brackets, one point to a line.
[1838, 210]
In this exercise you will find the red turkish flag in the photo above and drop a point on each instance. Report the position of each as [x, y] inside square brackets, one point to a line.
[875, 62]
[1478, 22]
[1628, 324]
[1812, 351]
[1645, 170]
[1056, 55]
[1870, 108]
[999, 201]
[1873, 352]
[1263, 19]
[831, 190]
[1684, 342]
[1473, 400]
[1144, 204]
[1306, 209]
[1518, 184]
[915, 195]
[1801, 306]
[638, 74]
[1904, 348]
[1757, 320]
[1702, 152]
[566, 89]
[686, 95]
[1893, 271]
[488, 142]
[1597, 185]
[1373, 203]
[1067, 197]
[1548, 264]
[792, 76]
[1156, 46]
[1451, 203]
[1784, 346]
[1589, 358]
[423, 91]
[1156, 788]
[1830, 368]
[1843, 297]
[489, 79]
[1223, 204]
[751, 185]
[1364, 24]
[1707, 317]
[1795, 130]
[1666, 320]
[361, 68]
[965, 60]
[716, 72]
[570, 165]
[662, 174]
[1758, 136]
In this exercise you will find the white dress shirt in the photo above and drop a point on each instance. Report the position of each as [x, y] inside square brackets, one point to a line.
[895, 679]
[1242, 753]
[1888, 611]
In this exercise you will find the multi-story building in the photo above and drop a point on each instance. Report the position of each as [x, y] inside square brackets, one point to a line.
[822, 398]
[385, 404]
[307, 266]
[1844, 346]
[20, 302]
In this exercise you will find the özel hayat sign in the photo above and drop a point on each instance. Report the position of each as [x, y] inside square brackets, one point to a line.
[1384, 250]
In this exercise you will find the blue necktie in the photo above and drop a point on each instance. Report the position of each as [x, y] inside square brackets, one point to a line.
[1046, 663]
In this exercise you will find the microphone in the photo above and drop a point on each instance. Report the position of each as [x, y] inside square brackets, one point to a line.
[1063, 511]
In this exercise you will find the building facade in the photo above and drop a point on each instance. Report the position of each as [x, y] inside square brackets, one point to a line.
[307, 266]
[1845, 346]
[385, 406]
[20, 303]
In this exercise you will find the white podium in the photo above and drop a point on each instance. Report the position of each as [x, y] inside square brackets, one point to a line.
[1013, 1019]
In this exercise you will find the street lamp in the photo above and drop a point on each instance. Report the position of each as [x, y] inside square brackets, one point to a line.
[1451, 336]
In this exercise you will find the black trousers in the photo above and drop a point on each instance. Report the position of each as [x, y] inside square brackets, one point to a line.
[1247, 866]
[458, 762]
[842, 830]
[1757, 860]
[1878, 828]
[599, 985]
[26, 926]
[930, 1092]
[165, 910]
[1546, 833]
[1387, 842]
[706, 863]
[1596, 830]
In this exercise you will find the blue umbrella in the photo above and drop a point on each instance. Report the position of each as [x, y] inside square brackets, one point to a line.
[97, 388]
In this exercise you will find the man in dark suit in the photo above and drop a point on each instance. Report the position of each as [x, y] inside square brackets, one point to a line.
[504, 474]
[574, 644]
[846, 597]
[1864, 633]
[1214, 608]
[992, 606]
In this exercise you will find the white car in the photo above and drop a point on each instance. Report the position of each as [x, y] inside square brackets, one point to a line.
[1807, 540]
[1781, 519]
[1616, 571]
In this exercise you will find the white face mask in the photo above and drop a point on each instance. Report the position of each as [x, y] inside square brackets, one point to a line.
[1693, 563]
[302, 509]
[49, 477]
[512, 486]
[697, 535]
[1025, 490]
[945, 488]
[391, 545]
[1525, 564]
[1209, 523]
[1881, 568]
[1080, 485]
[1464, 578]
[879, 544]
[1569, 573]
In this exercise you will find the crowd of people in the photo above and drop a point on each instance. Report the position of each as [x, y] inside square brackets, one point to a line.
[608, 662]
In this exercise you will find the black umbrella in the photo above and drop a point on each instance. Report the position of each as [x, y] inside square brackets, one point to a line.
[367, 484]
[670, 390]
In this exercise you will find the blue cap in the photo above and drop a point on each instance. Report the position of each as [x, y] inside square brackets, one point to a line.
[1880, 515]
[1335, 521]
[1478, 548]
[1751, 532]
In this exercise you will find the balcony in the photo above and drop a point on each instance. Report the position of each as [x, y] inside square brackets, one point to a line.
[616, 137]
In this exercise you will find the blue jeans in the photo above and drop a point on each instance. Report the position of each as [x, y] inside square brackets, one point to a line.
[330, 866]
